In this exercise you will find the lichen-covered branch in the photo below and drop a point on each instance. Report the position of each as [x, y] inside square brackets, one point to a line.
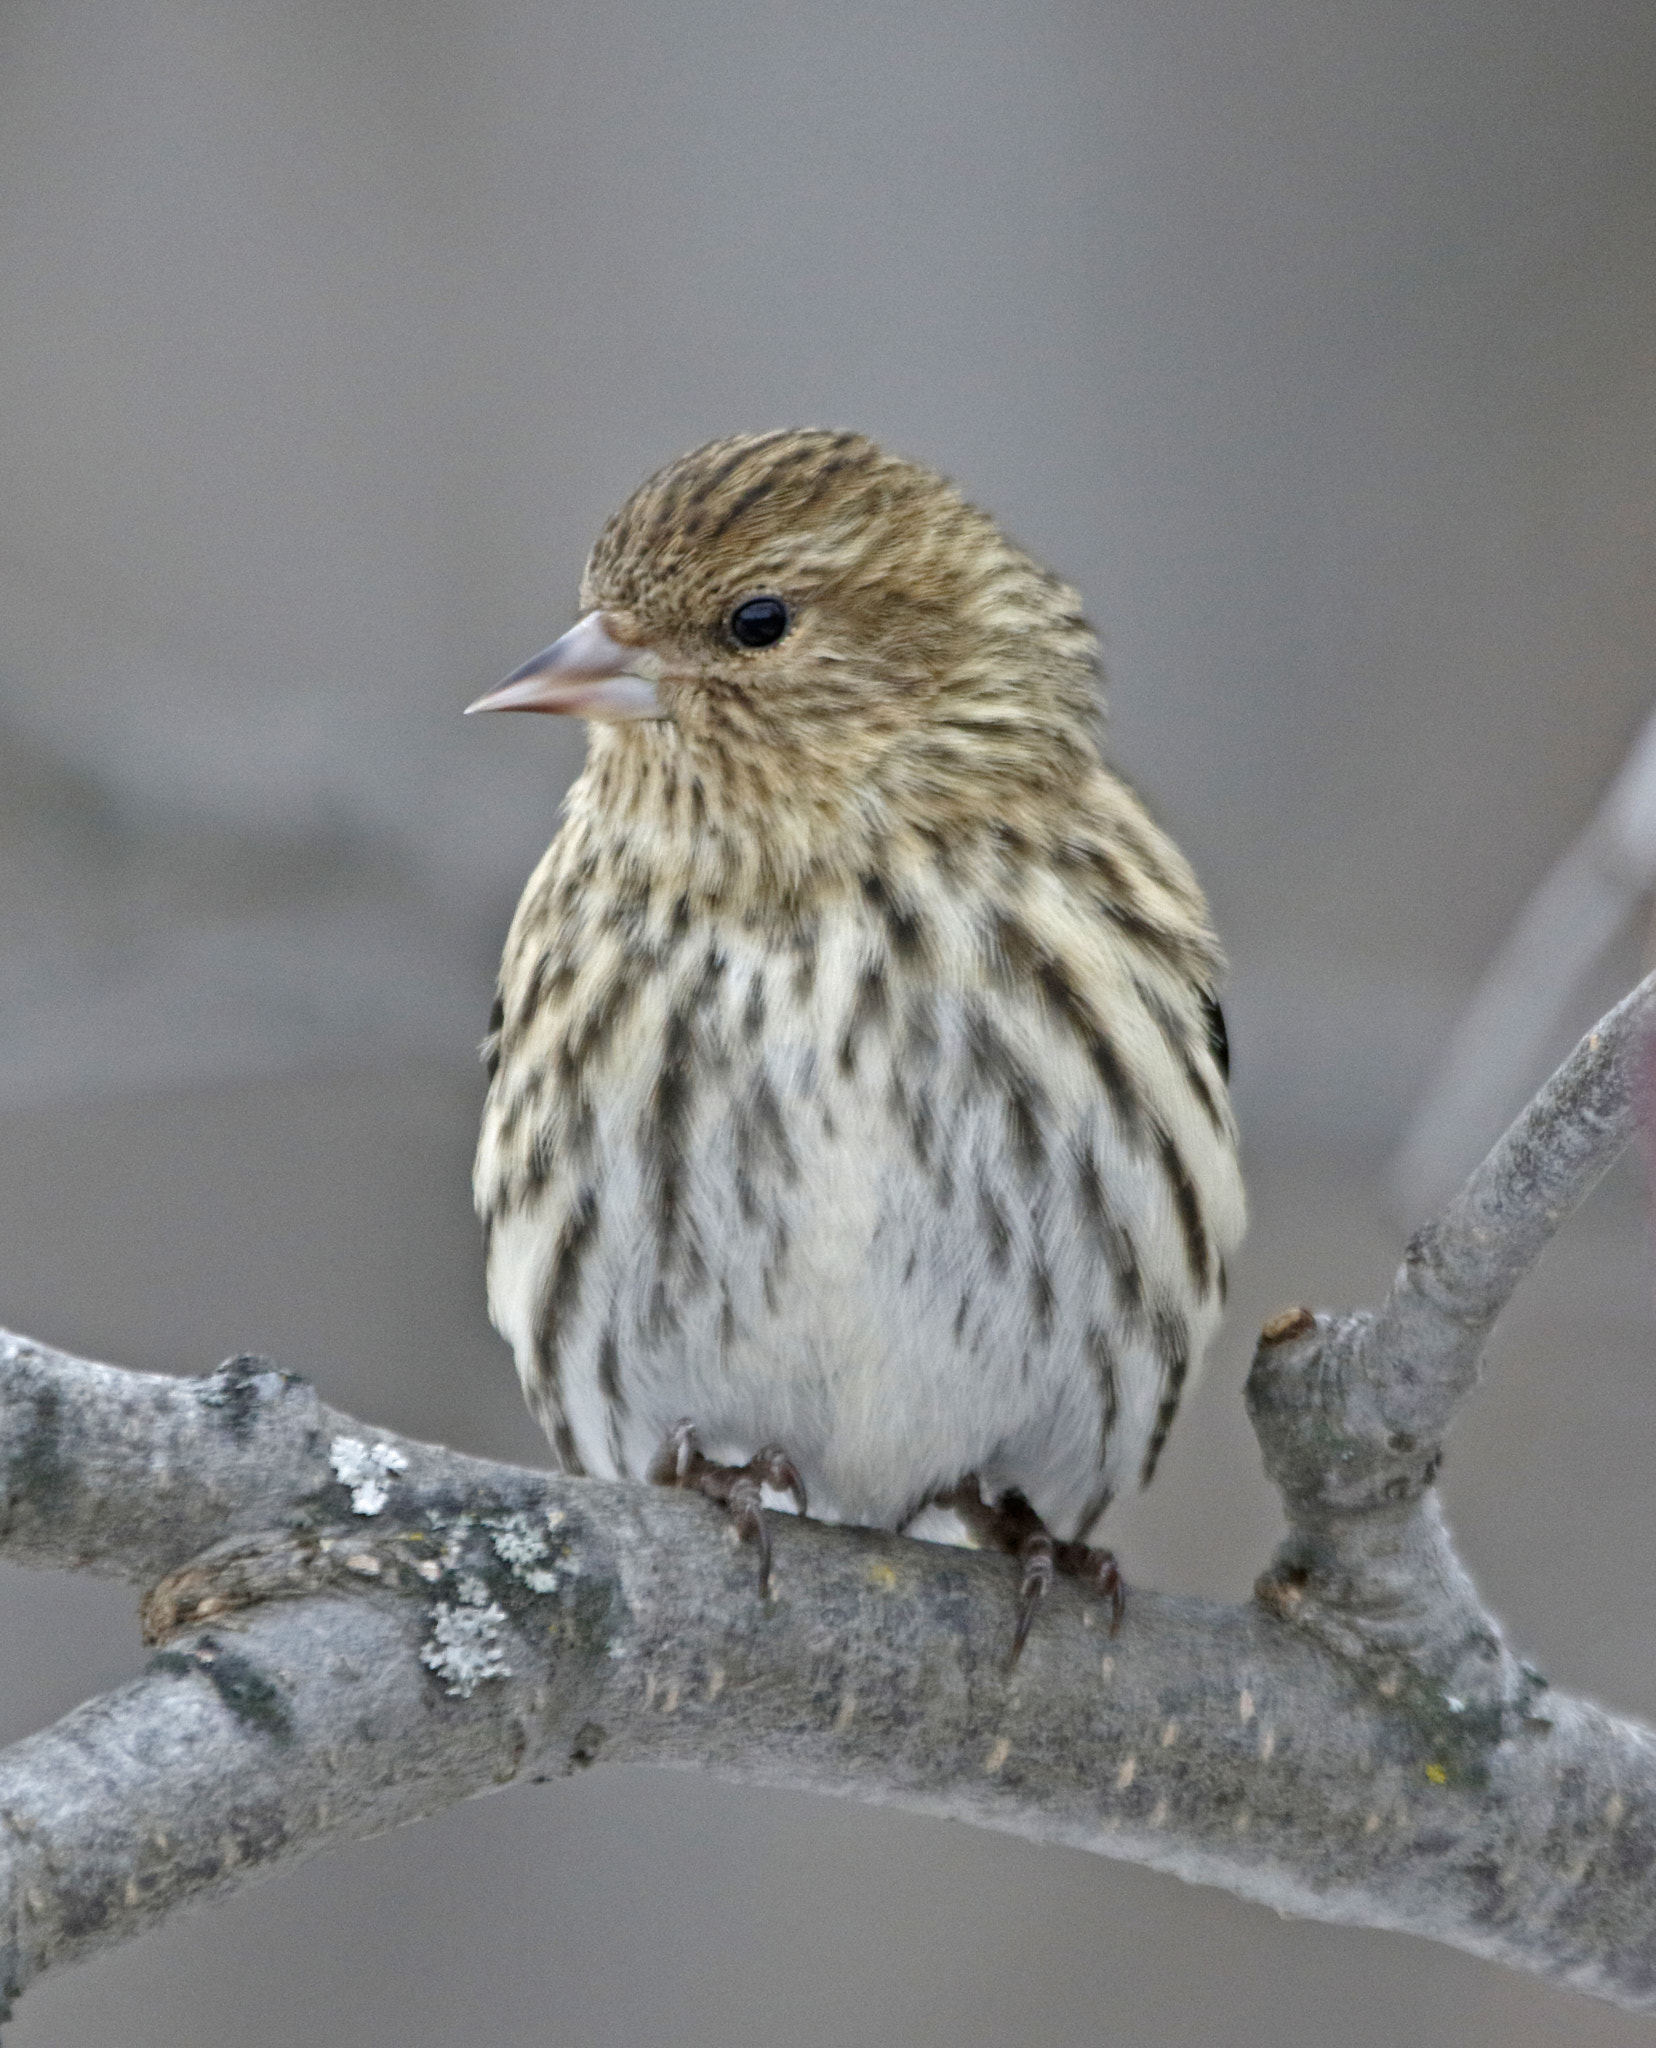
[1210, 1741]
[353, 1630]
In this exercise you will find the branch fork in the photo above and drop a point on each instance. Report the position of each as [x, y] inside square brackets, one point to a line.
[1351, 1410]
[352, 1630]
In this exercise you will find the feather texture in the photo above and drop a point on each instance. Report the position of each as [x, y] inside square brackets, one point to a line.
[856, 1083]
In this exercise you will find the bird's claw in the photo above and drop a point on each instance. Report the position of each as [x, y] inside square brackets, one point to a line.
[778, 1471]
[1098, 1570]
[736, 1488]
[1012, 1525]
[1036, 1554]
[676, 1455]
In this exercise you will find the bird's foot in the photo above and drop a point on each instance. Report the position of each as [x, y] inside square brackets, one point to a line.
[736, 1488]
[1012, 1525]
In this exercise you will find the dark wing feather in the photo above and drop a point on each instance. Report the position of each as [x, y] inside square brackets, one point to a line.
[1218, 1037]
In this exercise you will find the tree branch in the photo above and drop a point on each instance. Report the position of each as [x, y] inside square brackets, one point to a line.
[1351, 1410]
[358, 1629]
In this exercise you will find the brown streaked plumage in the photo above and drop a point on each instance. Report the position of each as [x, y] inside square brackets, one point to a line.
[858, 1084]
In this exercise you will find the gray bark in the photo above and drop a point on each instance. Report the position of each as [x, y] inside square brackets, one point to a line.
[354, 1630]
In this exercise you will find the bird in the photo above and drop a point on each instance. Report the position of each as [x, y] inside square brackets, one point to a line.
[858, 1133]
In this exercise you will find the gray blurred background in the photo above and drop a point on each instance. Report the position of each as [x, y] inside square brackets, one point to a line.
[1313, 342]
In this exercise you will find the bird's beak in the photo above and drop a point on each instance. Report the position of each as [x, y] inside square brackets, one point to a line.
[587, 672]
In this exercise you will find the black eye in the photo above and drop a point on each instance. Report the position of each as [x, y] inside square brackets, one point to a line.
[760, 622]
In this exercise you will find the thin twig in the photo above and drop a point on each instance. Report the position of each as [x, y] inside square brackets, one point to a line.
[1461, 1270]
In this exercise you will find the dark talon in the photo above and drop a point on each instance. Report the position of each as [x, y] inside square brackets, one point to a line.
[671, 1464]
[779, 1472]
[1099, 1570]
[1036, 1550]
[745, 1505]
[736, 1488]
[1012, 1525]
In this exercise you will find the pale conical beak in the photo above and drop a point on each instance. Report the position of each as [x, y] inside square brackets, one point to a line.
[587, 672]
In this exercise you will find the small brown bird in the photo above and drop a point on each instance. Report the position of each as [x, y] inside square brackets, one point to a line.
[857, 1123]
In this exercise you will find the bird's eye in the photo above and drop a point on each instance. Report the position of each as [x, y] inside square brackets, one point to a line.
[759, 622]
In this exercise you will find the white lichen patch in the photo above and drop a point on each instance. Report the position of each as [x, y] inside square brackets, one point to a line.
[367, 1469]
[525, 1549]
[516, 1540]
[465, 1647]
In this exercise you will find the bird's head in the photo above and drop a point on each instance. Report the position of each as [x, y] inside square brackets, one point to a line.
[800, 618]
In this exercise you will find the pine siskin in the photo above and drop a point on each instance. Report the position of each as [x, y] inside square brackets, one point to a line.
[857, 1121]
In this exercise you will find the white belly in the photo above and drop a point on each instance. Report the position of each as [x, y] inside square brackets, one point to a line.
[872, 1263]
